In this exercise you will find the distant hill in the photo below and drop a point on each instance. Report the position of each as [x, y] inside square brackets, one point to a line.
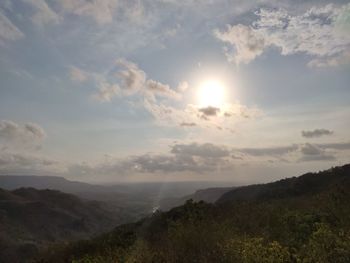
[306, 184]
[300, 219]
[124, 199]
[209, 195]
[11, 182]
[134, 200]
[31, 218]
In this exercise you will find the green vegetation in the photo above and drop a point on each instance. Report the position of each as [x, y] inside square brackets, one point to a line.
[304, 219]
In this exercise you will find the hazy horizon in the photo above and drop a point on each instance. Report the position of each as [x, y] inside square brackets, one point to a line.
[209, 182]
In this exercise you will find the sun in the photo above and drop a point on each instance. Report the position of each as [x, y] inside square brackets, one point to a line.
[211, 93]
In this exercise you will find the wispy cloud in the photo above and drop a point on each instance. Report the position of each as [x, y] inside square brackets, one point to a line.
[128, 79]
[312, 152]
[335, 146]
[297, 152]
[221, 119]
[19, 149]
[188, 158]
[106, 92]
[78, 75]
[320, 32]
[43, 13]
[11, 131]
[207, 150]
[188, 124]
[19, 163]
[156, 88]
[248, 43]
[8, 31]
[268, 151]
[206, 158]
[101, 11]
[192, 158]
[131, 76]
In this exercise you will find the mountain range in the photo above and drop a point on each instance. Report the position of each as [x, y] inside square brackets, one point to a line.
[300, 219]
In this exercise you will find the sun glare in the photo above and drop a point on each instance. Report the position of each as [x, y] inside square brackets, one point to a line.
[211, 93]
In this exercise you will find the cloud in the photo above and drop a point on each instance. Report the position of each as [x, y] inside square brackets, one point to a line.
[204, 158]
[78, 75]
[193, 115]
[106, 92]
[168, 115]
[268, 151]
[335, 146]
[332, 61]
[11, 131]
[146, 163]
[182, 158]
[191, 158]
[316, 133]
[101, 11]
[310, 149]
[183, 86]
[296, 152]
[248, 43]
[206, 150]
[307, 151]
[188, 124]
[44, 14]
[7, 5]
[19, 163]
[320, 157]
[312, 152]
[20, 160]
[35, 130]
[321, 32]
[133, 79]
[8, 31]
[127, 79]
[209, 111]
[162, 90]
[239, 110]
[168, 164]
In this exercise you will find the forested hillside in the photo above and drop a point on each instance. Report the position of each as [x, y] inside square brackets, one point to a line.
[209, 195]
[30, 219]
[307, 184]
[304, 219]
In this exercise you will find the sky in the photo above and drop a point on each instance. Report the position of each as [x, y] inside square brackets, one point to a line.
[165, 90]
